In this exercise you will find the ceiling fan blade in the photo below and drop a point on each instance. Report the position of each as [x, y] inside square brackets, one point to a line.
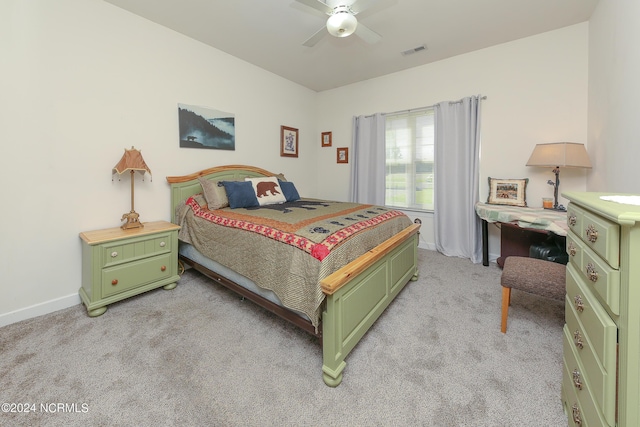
[362, 5]
[367, 34]
[318, 5]
[311, 41]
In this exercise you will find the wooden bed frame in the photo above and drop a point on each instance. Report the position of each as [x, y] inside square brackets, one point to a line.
[356, 295]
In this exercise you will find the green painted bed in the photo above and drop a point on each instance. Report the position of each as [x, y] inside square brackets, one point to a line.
[356, 294]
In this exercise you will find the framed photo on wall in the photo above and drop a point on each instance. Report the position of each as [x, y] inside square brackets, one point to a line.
[288, 142]
[326, 139]
[343, 155]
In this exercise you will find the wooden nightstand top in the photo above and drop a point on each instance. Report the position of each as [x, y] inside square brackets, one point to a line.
[99, 236]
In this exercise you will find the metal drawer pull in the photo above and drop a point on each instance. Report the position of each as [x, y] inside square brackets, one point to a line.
[577, 300]
[592, 273]
[577, 382]
[572, 249]
[577, 339]
[572, 219]
[163, 268]
[114, 254]
[163, 244]
[592, 233]
[577, 418]
[114, 282]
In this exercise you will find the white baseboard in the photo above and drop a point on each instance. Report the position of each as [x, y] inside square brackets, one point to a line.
[39, 309]
[425, 245]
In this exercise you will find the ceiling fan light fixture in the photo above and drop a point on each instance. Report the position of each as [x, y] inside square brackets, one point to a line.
[342, 23]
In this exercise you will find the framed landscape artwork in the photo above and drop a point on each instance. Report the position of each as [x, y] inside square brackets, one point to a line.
[202, 127]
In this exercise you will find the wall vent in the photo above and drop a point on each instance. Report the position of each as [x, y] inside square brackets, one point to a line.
[414, 50]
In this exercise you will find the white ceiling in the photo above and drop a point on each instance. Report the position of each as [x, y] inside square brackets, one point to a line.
[270, 33]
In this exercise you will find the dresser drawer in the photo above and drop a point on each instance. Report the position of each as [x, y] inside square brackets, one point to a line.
[583, 311]
[580, 404]
[135, 274]
[117, 252]
[603, 236]
[574, 218]
[601, 278]
[574, 249]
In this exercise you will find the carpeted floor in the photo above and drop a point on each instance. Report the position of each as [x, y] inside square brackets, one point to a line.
[199, 355]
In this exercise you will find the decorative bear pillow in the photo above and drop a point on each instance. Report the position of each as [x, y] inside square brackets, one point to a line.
[267, 189]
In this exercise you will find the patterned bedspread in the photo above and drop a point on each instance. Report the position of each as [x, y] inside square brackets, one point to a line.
[288, 248]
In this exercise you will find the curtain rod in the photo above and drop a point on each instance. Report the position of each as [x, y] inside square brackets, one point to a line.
[423, 108]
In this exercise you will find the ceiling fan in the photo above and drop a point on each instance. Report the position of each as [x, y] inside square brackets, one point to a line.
[342, 20]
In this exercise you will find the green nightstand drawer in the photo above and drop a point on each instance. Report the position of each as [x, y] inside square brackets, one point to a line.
[135, 274]
[138, 248]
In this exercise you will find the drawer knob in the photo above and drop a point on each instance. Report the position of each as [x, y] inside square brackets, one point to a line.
[577, 381]
[163, 244]
[575, 412]
[592, 233]
[572, 249]
[592, 273]
[163, 268]
[572, 219]
[577, 340]
[114, 254]
[577, 301]
[114, 282]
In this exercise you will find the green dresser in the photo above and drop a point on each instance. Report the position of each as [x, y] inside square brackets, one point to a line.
[117, 263]
[601, 376]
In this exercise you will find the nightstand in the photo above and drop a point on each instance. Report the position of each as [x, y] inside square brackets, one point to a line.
[118, 264]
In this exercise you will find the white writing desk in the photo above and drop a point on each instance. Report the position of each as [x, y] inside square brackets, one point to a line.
[537, 220]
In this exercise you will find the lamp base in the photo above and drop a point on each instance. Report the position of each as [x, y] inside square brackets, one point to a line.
[560, 208]
[133, 220]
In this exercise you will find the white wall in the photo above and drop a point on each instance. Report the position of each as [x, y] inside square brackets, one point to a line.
[614, 92]
[536, 92]
[80, 81]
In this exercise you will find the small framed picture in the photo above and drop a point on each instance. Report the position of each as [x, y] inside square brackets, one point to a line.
[343, 155]
[512, 192]
[326, 139]
[288, 142]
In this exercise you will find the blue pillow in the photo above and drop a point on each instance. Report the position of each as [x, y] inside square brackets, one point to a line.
[289, 191]
[240, 194]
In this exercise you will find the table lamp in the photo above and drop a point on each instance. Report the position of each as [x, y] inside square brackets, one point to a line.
[133, 162]
[555, 155]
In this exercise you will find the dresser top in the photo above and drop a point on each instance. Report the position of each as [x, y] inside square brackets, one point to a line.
[625, 213]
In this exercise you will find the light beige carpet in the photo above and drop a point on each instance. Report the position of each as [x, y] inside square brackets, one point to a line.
[198, 355]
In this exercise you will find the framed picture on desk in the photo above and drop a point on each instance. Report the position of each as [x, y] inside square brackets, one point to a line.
[512, 192]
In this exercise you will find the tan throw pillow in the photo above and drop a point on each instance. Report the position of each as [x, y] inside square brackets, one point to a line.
[214, 193]
[268, 191]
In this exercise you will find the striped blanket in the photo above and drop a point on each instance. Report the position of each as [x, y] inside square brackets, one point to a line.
[288, 248]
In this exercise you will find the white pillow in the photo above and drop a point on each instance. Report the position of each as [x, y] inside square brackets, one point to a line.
[268, 191]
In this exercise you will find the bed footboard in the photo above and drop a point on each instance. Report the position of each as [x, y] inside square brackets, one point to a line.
[359, 293]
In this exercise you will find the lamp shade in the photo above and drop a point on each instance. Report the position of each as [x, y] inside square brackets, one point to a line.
[342, 23]
[131, 161]
[565, 154]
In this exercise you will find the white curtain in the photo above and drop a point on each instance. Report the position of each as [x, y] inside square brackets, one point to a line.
[456, 177]
[368, 160]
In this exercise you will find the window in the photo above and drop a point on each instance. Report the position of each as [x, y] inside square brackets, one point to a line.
[409, 138]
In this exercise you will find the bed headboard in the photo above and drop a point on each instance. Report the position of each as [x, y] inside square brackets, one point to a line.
[188, 185]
